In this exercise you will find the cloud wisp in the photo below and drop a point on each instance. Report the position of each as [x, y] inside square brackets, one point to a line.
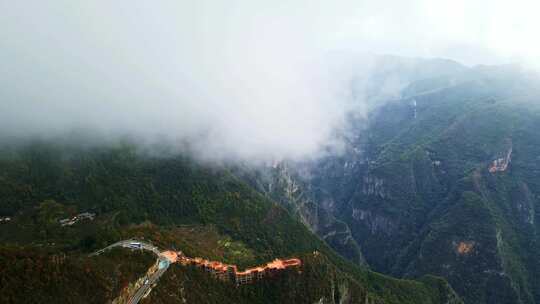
[233, 79]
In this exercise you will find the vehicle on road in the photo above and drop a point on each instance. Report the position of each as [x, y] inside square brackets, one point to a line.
[135, 245]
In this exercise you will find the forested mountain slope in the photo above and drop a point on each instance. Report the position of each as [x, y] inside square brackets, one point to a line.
[445, 181]
[157, 199]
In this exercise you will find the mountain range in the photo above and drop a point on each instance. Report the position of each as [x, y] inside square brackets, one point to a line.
[432, 199]
[443, 180]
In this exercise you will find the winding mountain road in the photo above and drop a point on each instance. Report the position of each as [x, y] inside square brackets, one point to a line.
[130, 244]
[163, 264]
[149, 280]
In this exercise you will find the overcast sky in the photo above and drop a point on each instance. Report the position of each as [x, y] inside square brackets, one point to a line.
[237, 79]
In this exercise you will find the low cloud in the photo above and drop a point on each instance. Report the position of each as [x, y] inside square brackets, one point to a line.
[229, 79]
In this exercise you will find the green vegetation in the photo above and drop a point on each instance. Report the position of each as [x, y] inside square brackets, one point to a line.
[317, 280]
[437, 209]
[32, 275]
[175, 203]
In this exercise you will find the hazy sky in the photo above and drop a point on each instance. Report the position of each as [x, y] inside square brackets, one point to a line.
[247, 79]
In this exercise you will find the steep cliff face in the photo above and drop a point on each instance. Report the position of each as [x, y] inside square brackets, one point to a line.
[326, 194]
[290, 187]
[454, 191]
[445, 181]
